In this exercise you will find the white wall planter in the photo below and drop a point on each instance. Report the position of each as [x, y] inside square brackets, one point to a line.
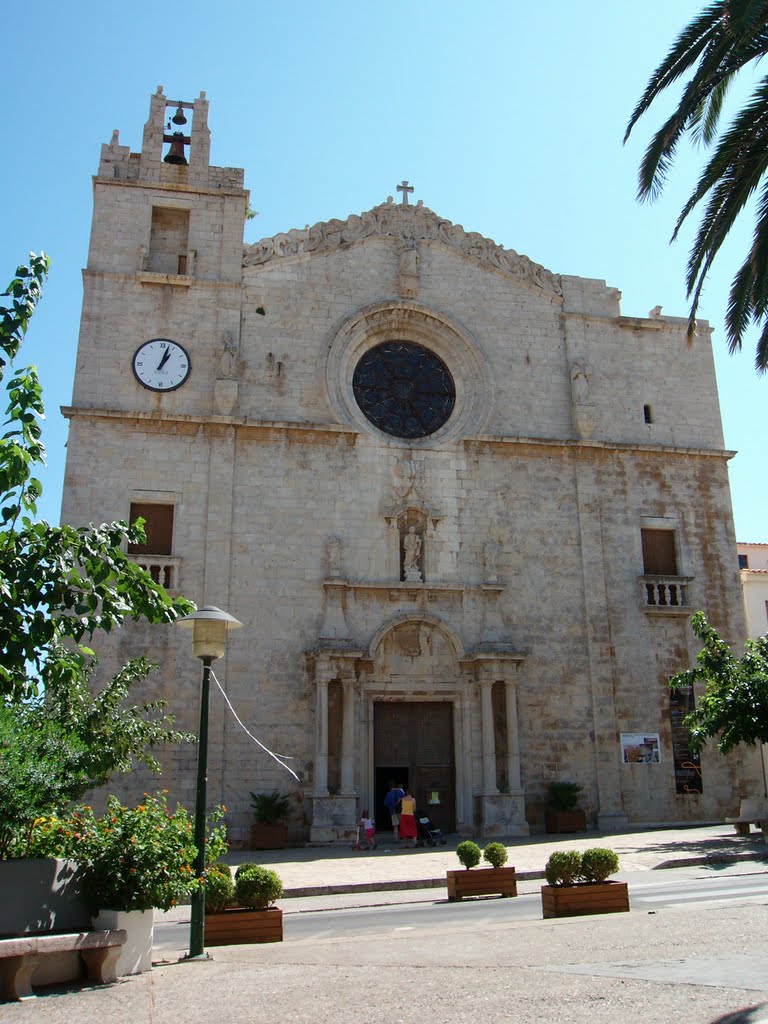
[41, 894]
[136, 956]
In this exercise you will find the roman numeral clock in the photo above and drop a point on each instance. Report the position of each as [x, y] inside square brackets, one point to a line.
[161, 364]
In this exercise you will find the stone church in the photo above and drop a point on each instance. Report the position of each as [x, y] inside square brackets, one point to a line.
[463, 507]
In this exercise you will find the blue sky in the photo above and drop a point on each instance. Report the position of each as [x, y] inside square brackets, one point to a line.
[507, 118]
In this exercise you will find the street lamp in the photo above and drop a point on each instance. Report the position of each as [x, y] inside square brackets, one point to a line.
[209, 639]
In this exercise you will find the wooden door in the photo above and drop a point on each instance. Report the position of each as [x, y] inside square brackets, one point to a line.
[413, 741]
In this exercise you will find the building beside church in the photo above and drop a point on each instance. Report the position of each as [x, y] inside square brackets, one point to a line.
[753, 567]
[463, 507]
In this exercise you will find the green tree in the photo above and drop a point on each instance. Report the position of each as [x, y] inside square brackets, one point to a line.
[734, 705]
[58, 585]
[723, 39]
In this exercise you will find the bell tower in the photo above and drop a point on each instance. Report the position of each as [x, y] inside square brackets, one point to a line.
[159, 353]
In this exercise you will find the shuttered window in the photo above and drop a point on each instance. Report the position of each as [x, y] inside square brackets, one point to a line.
[659, 557]
[158, 527]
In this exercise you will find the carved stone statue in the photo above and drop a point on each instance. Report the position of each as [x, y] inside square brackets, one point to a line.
[408, 272]
[333, 555]
[580, 383]
[491, 560]
[226, 368]
[411, 552]
[583, 410]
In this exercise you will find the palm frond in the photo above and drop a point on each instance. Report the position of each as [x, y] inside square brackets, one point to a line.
[761, 355]
[684, 54]
[704, 124]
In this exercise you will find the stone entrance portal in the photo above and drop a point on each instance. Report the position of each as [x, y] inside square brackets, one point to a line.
[413, 744]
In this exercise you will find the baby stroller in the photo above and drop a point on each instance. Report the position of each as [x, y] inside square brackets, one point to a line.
[429, 834]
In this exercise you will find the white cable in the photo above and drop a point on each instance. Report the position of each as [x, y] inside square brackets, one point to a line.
[277, 757]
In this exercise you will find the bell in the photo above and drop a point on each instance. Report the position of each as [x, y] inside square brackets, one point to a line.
[178, 117]
[176, 153]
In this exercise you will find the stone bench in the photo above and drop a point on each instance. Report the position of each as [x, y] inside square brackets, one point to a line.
[750, 811]
[20, 957]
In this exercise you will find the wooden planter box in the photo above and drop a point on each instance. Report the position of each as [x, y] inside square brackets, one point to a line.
[269, 837]
[584, 898]
[481, 882]
[238, 925]
[566, 821]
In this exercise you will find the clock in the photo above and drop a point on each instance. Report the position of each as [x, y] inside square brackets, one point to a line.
[161, 364]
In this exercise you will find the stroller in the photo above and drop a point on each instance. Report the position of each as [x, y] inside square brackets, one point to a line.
[429, 834]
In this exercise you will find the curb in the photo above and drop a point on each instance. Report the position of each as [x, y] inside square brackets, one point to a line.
[403, 885]
[710, 858]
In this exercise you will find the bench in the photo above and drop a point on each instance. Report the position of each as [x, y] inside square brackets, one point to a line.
[750, 811]
[20, 957]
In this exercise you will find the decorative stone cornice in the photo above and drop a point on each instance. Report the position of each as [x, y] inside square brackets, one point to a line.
[407, 224]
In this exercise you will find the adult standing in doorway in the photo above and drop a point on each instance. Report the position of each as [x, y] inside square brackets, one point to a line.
[408, 819]
[392, 803]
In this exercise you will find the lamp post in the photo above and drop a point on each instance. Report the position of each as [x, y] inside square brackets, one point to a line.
[209, 639]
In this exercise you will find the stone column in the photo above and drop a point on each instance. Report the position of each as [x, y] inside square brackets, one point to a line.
[465, 755]
[489, 742]
[321, 739]
[611, 816]
[349, 691]
[513, 739]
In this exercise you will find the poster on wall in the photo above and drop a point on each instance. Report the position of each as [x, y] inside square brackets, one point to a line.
[640, 748]
[687, 763]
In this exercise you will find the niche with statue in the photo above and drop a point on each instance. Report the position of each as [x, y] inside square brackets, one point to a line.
[412, 527]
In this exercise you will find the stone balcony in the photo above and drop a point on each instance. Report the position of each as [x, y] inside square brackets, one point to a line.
[665, 594]
[164, 569]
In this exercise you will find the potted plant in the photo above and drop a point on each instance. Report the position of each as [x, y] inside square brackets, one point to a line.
[269, 832]
[241, 911]
[563, 813]
[578, 884]
[495, 880]
[137, 859]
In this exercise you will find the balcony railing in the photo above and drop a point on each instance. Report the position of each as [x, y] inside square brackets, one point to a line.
[665, 593]
[164, 569]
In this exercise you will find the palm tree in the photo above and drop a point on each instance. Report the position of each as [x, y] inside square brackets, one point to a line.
[715, 46]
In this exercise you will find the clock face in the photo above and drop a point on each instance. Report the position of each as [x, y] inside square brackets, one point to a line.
[161, 364]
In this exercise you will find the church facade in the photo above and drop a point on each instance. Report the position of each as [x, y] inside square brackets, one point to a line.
[462, 506]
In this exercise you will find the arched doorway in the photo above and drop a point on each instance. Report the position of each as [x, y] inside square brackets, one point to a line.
[414, 747]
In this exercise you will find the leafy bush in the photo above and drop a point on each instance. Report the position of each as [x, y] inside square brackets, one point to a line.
[137, 858]
[270, 808]
[563, 796]
[219, 888]
[598, 863]
[495, 854]
[469, 853]
[257, 887]
[563, 867]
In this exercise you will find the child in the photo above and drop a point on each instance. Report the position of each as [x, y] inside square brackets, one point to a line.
[370, 832]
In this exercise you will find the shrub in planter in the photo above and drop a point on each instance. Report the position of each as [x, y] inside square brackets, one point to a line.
[563, 796]
[496, 880]
[563, 867]
[495, 854]
[219, 888]
[270, 808]
[469, 853]
[577, 884]
[257, 887]
[598, 863]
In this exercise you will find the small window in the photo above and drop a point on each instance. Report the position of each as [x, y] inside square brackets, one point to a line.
[158, 526]
[659, 556]
[743, 562]
[647, 414]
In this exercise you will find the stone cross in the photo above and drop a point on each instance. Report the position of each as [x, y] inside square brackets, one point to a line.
[405, 188]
